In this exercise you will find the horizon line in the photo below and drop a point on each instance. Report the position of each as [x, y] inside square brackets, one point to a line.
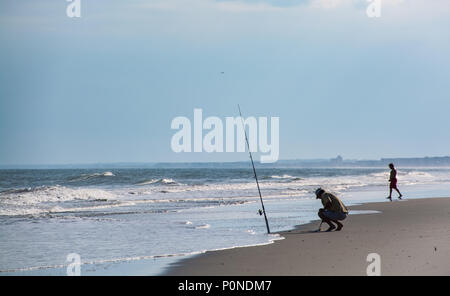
[212, 162]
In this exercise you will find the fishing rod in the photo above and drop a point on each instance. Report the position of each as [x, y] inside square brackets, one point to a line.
[254, 171]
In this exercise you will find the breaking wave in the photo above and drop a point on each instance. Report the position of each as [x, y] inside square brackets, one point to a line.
[85, 177]
[162, 181]
[32, 201]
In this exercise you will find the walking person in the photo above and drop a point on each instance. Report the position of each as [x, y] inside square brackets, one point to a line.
[393, 182]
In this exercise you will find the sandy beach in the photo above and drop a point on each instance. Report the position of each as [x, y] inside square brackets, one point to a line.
[412, 237]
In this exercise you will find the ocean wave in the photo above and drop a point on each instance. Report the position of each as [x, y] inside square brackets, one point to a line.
[42, 199]
[418, 174]
[286, 184]
[162, 181]
[283, 178]
[85, 177]
[203, 226]
[55, 193]
[40, 207]
[20, 190]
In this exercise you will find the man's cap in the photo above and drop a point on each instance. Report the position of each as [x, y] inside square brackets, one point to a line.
[319, 191]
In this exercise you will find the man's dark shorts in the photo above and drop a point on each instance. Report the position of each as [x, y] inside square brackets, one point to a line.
[393, 184]
[335, 215]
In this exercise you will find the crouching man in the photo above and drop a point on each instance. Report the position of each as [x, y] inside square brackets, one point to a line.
[333, 209]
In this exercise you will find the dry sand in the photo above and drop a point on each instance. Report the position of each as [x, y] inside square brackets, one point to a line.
[412, 237]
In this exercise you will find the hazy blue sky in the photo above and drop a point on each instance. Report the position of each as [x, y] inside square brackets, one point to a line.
[105, 87]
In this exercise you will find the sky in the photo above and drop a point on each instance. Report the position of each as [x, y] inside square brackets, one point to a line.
[105, 87]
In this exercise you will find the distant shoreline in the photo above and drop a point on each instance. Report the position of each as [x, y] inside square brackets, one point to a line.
[338, 162]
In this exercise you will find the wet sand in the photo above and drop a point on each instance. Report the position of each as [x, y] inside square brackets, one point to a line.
[412, 237]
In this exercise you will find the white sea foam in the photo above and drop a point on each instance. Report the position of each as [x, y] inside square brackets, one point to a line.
[164, 181]
[85, 177]
[204, 226]
[282, 177]
[53, 194]
[33, 201]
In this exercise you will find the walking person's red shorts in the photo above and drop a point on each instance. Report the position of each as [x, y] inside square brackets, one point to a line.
[393, 184]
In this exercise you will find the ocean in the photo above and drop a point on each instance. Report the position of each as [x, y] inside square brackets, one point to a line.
[139, 221]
